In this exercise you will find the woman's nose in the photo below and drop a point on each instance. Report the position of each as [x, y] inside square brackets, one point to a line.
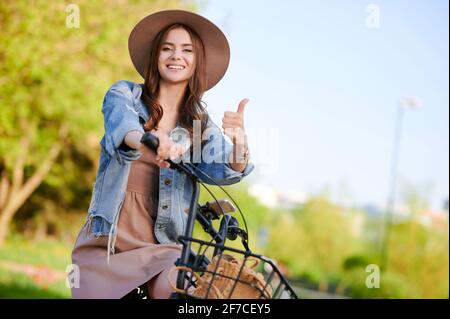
[176, 55]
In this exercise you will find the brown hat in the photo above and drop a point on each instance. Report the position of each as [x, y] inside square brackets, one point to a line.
[217, 50]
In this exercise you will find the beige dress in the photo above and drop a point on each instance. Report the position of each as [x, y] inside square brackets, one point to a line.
[138, 255]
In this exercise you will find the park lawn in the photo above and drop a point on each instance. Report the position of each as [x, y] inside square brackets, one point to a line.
[24, 265]
[20, 286]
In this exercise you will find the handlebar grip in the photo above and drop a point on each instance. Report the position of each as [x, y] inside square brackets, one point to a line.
[151, 141]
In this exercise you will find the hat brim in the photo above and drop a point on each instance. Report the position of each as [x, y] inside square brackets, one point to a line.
[217, 50]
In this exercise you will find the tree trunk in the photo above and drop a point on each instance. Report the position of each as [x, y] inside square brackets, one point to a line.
[15, 195]
[5, 219]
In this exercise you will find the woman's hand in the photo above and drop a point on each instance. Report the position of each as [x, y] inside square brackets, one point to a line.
[233, 124]
[166, 149]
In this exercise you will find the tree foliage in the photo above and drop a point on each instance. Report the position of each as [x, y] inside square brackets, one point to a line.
[52, 81]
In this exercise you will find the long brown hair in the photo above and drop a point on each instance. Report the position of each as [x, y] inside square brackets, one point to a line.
[192, 108]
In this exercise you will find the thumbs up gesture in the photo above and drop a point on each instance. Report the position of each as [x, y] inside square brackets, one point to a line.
[233, 124]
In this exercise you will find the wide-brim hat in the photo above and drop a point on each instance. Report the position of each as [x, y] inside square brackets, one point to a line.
[217, 50]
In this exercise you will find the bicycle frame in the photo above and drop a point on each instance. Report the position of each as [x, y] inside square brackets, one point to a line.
[189, 228]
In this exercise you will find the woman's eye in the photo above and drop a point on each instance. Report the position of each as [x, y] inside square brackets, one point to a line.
[170, 49]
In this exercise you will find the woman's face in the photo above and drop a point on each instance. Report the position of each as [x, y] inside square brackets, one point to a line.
[176, 63]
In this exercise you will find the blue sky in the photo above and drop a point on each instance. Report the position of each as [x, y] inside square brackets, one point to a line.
[330, 86]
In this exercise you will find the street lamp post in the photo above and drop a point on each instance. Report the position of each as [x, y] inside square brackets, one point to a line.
[412, 103]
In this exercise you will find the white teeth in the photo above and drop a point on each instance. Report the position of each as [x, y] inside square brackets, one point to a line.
[177, 67]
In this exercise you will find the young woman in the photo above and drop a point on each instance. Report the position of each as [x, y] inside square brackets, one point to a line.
[139, 205]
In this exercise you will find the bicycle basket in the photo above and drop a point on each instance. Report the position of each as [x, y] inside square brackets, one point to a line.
[231, 274]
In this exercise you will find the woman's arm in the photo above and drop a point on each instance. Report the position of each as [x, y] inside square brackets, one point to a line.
[239, 157]
[133, 139]
[120, 117]
[216, 159]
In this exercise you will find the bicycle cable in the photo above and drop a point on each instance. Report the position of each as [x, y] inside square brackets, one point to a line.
[215, 183]
[223, 213]
[215, 199]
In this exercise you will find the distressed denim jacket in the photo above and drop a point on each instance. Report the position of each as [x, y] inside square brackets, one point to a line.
[123, 112]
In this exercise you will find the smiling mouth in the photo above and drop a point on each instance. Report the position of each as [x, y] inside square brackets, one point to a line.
[176, 67]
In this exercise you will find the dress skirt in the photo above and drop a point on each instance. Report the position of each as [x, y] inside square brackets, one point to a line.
[138, 255]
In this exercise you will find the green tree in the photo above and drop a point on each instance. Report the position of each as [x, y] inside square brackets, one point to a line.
[52, 80]
[315, 239]
[419, 248]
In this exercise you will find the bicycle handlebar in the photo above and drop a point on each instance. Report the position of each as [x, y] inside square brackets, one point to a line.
[150, 141]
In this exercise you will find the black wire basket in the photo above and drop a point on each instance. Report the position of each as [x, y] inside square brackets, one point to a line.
[219, 272]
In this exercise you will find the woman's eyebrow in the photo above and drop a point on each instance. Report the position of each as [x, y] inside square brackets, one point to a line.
[184, 44]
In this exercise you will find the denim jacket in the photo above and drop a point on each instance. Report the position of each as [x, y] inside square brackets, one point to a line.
[123, 112]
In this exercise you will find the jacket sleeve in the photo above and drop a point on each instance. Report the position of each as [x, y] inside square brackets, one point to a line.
[120, 117]
[214, 161]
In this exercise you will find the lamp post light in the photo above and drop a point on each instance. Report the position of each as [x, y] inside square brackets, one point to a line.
[412, 103]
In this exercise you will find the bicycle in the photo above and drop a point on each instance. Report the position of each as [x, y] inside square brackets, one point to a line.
[193, 266]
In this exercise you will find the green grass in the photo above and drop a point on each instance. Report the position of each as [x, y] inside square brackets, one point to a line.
[45, 253]
[48, 252]
[20, 286]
